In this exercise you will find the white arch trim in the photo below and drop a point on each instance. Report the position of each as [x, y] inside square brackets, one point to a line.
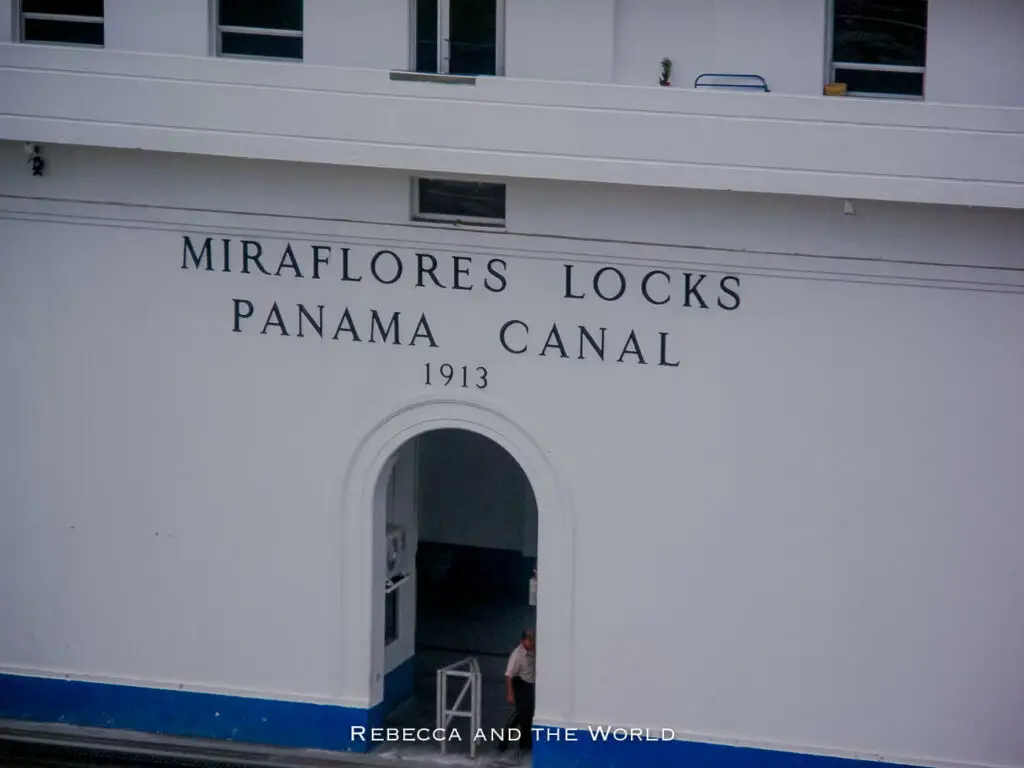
[363, 568]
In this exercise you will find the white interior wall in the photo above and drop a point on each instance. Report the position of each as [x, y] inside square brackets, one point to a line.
[402, 510]
[473, 494]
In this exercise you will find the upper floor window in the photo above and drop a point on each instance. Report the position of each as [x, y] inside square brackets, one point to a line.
[460, 37]
[878, 46]
[268, 28]
[73, 22]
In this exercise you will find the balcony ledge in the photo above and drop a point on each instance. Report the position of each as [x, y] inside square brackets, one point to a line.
[499, 127]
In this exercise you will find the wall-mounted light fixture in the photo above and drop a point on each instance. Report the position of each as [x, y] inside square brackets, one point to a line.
[35, 158]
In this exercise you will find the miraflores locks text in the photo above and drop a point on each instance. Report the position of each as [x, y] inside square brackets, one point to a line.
[350, 266]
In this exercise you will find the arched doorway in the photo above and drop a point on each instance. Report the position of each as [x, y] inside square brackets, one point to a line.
[461, 522]
[364, 576]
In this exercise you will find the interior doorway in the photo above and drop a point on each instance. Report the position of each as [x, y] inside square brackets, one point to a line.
[461, 541]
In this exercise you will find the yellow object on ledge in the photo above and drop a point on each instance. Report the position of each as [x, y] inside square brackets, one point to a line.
[835, 89]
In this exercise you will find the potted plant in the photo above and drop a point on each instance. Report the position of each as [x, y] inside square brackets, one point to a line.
[666, 72]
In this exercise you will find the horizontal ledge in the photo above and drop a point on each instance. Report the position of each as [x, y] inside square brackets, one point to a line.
[399, 75]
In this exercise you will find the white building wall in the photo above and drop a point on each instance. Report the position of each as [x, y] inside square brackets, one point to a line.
[973, 49]
[7, 20]
[781, 40]
[573, 40]
[182, 27]
[828, 482]
[976, 52]
[357, 33]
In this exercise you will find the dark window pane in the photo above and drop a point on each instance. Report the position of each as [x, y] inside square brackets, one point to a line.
[880, 32]
[64, 7]
[426, 36]
[894, 83]
[461, 198]
[391, 617]
[77, 32]
[268, 46]
[267, 14]
[474, 34]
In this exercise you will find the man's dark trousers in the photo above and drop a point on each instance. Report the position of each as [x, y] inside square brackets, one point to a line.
[522, 718]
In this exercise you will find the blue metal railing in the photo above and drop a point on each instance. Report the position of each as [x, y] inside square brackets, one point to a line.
[759, 83]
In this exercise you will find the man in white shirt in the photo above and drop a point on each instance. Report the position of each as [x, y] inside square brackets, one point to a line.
[520, 678]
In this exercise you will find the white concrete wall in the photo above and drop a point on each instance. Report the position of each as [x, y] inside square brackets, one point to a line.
[781, 40]
[976, 52]
[829, 480]
[357, 33]
[572, 40]
[155, 26]
[7, 20]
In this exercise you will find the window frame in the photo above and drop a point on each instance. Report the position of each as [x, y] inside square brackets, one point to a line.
[831, 65]
[22, 15]
[455, 219]
[444, 16]
[218, 30]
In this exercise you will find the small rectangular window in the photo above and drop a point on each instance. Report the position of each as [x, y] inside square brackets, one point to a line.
[462, 202]
[879, 46]
[67, 22]
[269, 29]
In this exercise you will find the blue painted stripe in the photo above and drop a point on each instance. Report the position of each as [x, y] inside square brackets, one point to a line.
[552, 748]
[185, 713]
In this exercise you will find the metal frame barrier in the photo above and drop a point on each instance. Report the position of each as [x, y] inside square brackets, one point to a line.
[469, 671]
[757, 82]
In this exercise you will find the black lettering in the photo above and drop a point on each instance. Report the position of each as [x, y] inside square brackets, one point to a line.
[204, 253]
[597, 283]
[288, 260]
[247, 245]
[643, 286]
[554, 341]
[376, 325]
[735, 296]
[585, 334]
[504, 340]
[568, 284]
[422, 270]
[239, 316]
[346, 325]
[318, 324]
[317, 261]
[663, 358]
[344, 269]
[398, 267]
[632, 347]
[691, 290]
[274, 319]
[423, 329]
[461, 271]
[227, 255]
[501, 277]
